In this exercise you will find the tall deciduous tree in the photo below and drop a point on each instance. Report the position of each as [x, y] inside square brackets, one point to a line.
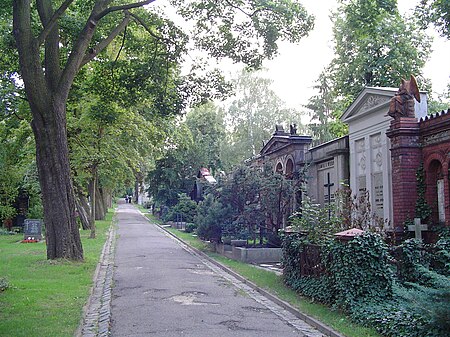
[375, 46]
[253, 114]
[56, 39]
[323, 109]
[197, 142]
[206, 124]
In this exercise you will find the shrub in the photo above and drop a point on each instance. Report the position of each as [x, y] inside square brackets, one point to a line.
[412, 312]
[359, 280]
[185, 209]
[414, 263]
[359, 270]
[190, 227]
[356, 271]
[210, 217]
[6, 232]
[441, 257]
[390, 318]
[36, 211]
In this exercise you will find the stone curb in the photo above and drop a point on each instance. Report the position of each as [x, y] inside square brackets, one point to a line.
[96, 316]
[308, 319]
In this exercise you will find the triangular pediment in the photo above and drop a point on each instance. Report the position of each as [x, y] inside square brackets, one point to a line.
[274, 144]
[368, 101]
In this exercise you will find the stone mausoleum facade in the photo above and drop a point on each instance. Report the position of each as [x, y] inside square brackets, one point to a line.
[380, 155]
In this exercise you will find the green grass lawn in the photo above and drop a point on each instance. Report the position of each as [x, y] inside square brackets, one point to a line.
[45, 298]
[273, 283]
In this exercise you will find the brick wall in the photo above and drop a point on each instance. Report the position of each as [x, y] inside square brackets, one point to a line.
[435, 142]
[406, 156]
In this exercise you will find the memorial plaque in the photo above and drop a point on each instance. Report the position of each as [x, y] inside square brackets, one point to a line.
[32, 229]
[378, 194]
[361, 184]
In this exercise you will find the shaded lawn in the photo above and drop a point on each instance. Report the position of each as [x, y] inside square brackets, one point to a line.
[46, 297]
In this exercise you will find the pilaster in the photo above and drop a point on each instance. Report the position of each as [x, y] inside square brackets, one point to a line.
[406, 156]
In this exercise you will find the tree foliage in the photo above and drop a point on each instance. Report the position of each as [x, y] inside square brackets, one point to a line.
[245, 31]
[253, 114]
[324, 110]
[56, 40]
[437, 13]
[194, 143]
[375, 46]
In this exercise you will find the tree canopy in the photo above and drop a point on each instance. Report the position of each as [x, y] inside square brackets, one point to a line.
[57, 41]
[374, 46]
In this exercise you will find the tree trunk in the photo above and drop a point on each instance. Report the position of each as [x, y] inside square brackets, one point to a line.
[83, 211]
[136, 190]
[107, 197]
[99, 206]
[92, 192]
[62, 234]
[47, 85]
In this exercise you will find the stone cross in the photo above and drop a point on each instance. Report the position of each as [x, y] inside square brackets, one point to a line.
[328, 185]
[417, 228]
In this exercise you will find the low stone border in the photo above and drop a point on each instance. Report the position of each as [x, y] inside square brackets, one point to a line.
[97, 312]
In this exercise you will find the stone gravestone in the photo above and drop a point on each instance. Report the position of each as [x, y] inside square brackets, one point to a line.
[32, 229]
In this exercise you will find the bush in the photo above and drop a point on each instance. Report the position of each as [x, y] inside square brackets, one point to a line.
[6, 232]
[190, 227]
[413, 312]
[359, 270]
[36, 211]
[414, 263]
[441, 258]
[185, 210]
[390, 318]
[211, 215]
[356, 271]
[359, 280]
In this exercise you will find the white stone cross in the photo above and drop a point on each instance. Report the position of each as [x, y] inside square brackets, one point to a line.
[417, 228]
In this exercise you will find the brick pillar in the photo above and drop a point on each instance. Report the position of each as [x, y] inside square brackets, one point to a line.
[406, 156]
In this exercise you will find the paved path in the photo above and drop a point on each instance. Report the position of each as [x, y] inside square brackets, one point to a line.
[162, 288]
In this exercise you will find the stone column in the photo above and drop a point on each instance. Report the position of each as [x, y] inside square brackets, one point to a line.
[406, 156]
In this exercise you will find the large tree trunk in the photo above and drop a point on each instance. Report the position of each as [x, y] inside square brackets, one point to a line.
[136, 191]
[107, 197]
[47, 85]
[62, 234]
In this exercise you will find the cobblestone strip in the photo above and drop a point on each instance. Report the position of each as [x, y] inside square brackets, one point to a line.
[97, 313]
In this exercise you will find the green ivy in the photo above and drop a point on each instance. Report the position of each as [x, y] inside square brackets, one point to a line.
[360, 280]
[359, 270]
